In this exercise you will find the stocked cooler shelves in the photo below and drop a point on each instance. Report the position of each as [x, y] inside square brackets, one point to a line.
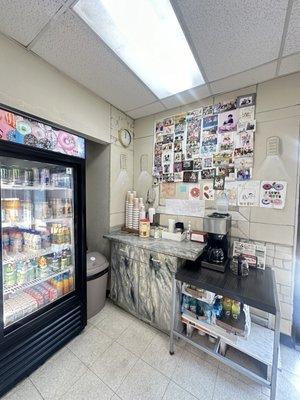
[36, 221]
[43, 188]
[19, 288]
[54, 248]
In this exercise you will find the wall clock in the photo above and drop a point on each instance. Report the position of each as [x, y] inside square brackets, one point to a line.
[125, 137]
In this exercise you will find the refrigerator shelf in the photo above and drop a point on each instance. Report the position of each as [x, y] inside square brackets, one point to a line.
[40, 187]
[54, 248]
[25, 224]
[19, 288]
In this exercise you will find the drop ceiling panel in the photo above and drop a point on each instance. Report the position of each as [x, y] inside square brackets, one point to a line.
[247, 78]
[290, 64]
[22, 20]
[188, 96]
[72, 47]
[292, 41]
[233, 36]
[146, 110]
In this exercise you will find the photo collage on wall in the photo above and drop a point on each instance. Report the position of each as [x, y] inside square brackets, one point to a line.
[214, 144]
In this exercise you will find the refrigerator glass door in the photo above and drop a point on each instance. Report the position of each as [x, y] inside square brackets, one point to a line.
[37, 227]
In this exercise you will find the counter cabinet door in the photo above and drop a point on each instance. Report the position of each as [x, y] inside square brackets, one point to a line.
[124, 282]
[155, 288]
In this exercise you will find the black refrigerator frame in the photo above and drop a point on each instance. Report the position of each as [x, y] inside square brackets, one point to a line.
[28, 343]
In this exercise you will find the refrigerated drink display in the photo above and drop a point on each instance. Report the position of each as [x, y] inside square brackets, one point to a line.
[37, 236]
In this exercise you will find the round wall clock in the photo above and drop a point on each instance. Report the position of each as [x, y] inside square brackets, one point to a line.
[125, 137]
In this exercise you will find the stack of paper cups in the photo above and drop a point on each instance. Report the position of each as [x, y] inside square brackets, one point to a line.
[136, 213]
[126, 213]
[130, 215]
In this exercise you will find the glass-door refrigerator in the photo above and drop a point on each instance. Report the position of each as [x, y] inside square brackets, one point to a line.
[42, 273]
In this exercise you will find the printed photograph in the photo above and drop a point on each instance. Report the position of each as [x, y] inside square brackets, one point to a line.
[226, 141]
[197, 164]
[190, 176]
[168, 121]
[178, 157]
[187, 165]
[243, 168]
[169, 130]
[207, 162]
[219, 182]
[222, 159]
[207, 110]
[178, 176]
[209, 142]
[228, 121]
[168, 138]
[159, 127]
[194, 114]
[246, 114]
[223, 107]
[177, 146]
[208, 173]
[246, 100]
[210, 122]
[178, 167]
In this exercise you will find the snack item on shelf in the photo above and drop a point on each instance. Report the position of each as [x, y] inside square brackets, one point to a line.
[9, 270]
[21, 267]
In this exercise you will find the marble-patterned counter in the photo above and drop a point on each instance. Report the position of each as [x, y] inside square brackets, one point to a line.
[142, 271]
[185, 249]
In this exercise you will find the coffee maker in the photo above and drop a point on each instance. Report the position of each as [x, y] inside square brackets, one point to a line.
[216, 252]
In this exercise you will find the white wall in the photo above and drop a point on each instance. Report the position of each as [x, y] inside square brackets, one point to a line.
[30, 84]
[277, 113]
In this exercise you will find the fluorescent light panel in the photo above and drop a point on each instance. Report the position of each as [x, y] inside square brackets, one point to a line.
[147, 36]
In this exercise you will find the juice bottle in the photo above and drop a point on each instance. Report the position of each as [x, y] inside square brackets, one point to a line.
[59, 286]
[66, 282]
[235, 309]
[71, 282]
[226, 303]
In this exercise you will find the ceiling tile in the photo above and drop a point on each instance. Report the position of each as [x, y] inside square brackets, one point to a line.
[247, 78]
[146, 110]
[292, 41]
[188, 96]
[290, 64]
[72, 47]
[233, 36]
[23, 20]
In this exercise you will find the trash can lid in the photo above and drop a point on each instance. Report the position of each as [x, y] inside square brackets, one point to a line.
[96, 262]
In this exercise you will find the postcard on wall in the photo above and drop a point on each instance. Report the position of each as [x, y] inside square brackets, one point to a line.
[246, 114]
[246, 125]
[197, 164]
[208, 192]
[178, 176]
[178, 157]
[178, 167]
[180, 123]
[193, 130]
[208, 173]
[244, 144]
[209, 142]
[226, 141]
[219, 182]
[168, 121]
[194, 114]
[228, 121]
[227, 171]
[167, 190]
[230, 190]
[210, 122]
[243, 168]
[190, 176]
[169, 130]
[159, 127]
[208, 110]
[246, 100]
[273, 194]
[188, 165]
[248, 193]
[194, 192]
[225, 106]
[207, 162]
[222, 159]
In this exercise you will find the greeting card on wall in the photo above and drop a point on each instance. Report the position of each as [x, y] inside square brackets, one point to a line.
[208, 192]
[273, 194]
[230, 190]
[248, 193]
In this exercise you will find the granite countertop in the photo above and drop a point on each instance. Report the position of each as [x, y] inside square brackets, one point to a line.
[185, 249]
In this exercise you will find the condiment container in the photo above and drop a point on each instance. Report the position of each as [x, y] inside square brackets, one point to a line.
[144, 229]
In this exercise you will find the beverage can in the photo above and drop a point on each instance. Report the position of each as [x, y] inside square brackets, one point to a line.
[31, 269]
[43, 267]
[35, 176]
[45, 177]
[4, 174]
[27, 177]
[16, 175]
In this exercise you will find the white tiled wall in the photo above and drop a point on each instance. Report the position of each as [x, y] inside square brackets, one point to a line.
[277, 113]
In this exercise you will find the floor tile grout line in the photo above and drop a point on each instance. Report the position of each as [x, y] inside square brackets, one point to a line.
[36, 388]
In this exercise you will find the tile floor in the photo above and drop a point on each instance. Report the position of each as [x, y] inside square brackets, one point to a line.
[118, 357]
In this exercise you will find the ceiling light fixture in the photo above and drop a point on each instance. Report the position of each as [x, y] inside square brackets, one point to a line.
[147, 36]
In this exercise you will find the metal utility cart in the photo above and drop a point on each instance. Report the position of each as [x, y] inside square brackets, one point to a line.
[257, 356]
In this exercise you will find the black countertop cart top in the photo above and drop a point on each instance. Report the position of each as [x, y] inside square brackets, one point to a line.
[257, 289]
